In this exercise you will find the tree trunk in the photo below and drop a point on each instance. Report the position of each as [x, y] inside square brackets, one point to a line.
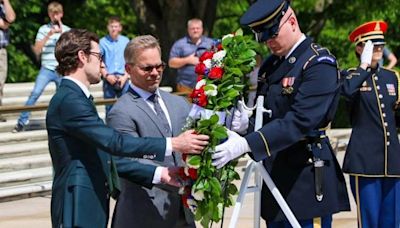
[167, 21]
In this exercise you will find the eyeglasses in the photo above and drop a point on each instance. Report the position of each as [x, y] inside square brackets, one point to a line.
[148, 69]
[378, 47]
[97, 54]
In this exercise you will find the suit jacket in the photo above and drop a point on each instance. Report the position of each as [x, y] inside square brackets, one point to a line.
[302, 91]
[138, 206]
[80, 146]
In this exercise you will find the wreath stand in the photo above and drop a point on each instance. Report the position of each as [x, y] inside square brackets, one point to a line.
[259, 174]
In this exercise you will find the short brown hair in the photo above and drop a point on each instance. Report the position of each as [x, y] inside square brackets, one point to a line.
[138, 44]
[114, 19]
[67, 48]
[55, 7]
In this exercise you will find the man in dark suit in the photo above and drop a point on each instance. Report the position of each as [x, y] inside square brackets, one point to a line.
[300, 82]
[136, 113]
[80, 144]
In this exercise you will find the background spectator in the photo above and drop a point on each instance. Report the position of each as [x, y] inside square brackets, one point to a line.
[7, 16]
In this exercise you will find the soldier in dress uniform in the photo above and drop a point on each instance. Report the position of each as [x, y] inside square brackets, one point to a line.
[373, 154]
[300, 82]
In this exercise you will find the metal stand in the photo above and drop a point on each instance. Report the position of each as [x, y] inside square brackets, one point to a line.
[259, 171]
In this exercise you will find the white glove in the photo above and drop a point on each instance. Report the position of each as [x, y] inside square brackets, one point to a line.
[235, 146]
[240, 121]
[366, 55]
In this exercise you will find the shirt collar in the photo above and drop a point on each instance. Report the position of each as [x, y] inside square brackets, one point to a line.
[302, 38]
[84, 89]
[143, 93]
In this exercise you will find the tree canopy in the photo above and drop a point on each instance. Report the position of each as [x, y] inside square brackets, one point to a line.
[328, 21]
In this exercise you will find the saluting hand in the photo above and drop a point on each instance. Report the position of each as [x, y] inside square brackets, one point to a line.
[189, 142]
[366, 55]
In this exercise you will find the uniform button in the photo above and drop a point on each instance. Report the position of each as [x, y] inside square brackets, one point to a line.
[106, 184]
[388, 133]
[376, 78]
[109, 162]
[386, 124]
[380, 96]
[384, 115]
[388, 143]
[383, 105]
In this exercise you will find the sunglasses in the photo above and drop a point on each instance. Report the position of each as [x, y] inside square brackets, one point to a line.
[148, 69]
[268, 31]
[97, 54]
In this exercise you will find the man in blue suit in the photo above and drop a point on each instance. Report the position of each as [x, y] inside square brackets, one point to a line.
[300, 82]
[81, 145]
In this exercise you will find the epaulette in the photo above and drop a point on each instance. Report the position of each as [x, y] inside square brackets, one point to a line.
[321, 55]
[351, 69]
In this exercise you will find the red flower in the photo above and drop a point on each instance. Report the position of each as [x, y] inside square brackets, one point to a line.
[184, 156]
[206, 55]
[192, 173]
[219, 47]
[200, 69]
[199, 97]
[199, 78]
[184, 199]
[216, 73]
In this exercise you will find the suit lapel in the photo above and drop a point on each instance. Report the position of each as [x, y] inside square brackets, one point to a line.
[172, 112]
[142, 104]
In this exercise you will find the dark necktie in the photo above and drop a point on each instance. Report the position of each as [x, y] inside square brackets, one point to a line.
[160, 113]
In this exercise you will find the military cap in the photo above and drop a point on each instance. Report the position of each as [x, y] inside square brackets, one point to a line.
[264, 16]
[372, 30]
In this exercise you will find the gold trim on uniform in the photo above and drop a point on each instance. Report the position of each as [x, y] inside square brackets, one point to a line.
[265, 143]
[358, 202]
[317, 222]
[372, 175]
[382, 121]
[256, 23]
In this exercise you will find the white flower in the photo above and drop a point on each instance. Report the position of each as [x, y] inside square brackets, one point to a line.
[197, 194]
[218, 57]
[200, 83]
[207, 63]
[192, 205]
[211, 92]
[227, 35]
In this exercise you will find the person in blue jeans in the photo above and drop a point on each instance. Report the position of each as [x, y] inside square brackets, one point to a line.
[112, 47]
[45, 42]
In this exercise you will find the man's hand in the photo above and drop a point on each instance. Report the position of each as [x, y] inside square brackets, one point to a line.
[122, 80]
[192, 59]
[240, 121]
[170, 176]
[111, 79]
[366, 55]
[229, 150]
[189, 142]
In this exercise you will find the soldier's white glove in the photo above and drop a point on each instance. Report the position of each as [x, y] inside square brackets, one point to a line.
[240, 121]
[235, 146]
[366, 55]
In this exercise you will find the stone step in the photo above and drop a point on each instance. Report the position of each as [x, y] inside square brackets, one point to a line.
[23, 149]
[25, 162]
[24, 136]
[25, 191]
[25, 176]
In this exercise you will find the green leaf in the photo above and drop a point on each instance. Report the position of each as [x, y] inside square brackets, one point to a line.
[214, 119]
[219, 132]
[194, 160]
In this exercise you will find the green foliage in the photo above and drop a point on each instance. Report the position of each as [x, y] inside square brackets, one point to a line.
[89, 14]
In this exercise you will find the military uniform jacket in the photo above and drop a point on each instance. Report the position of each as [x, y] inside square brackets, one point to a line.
[80, 192]
[302, 91]
[372, 96]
